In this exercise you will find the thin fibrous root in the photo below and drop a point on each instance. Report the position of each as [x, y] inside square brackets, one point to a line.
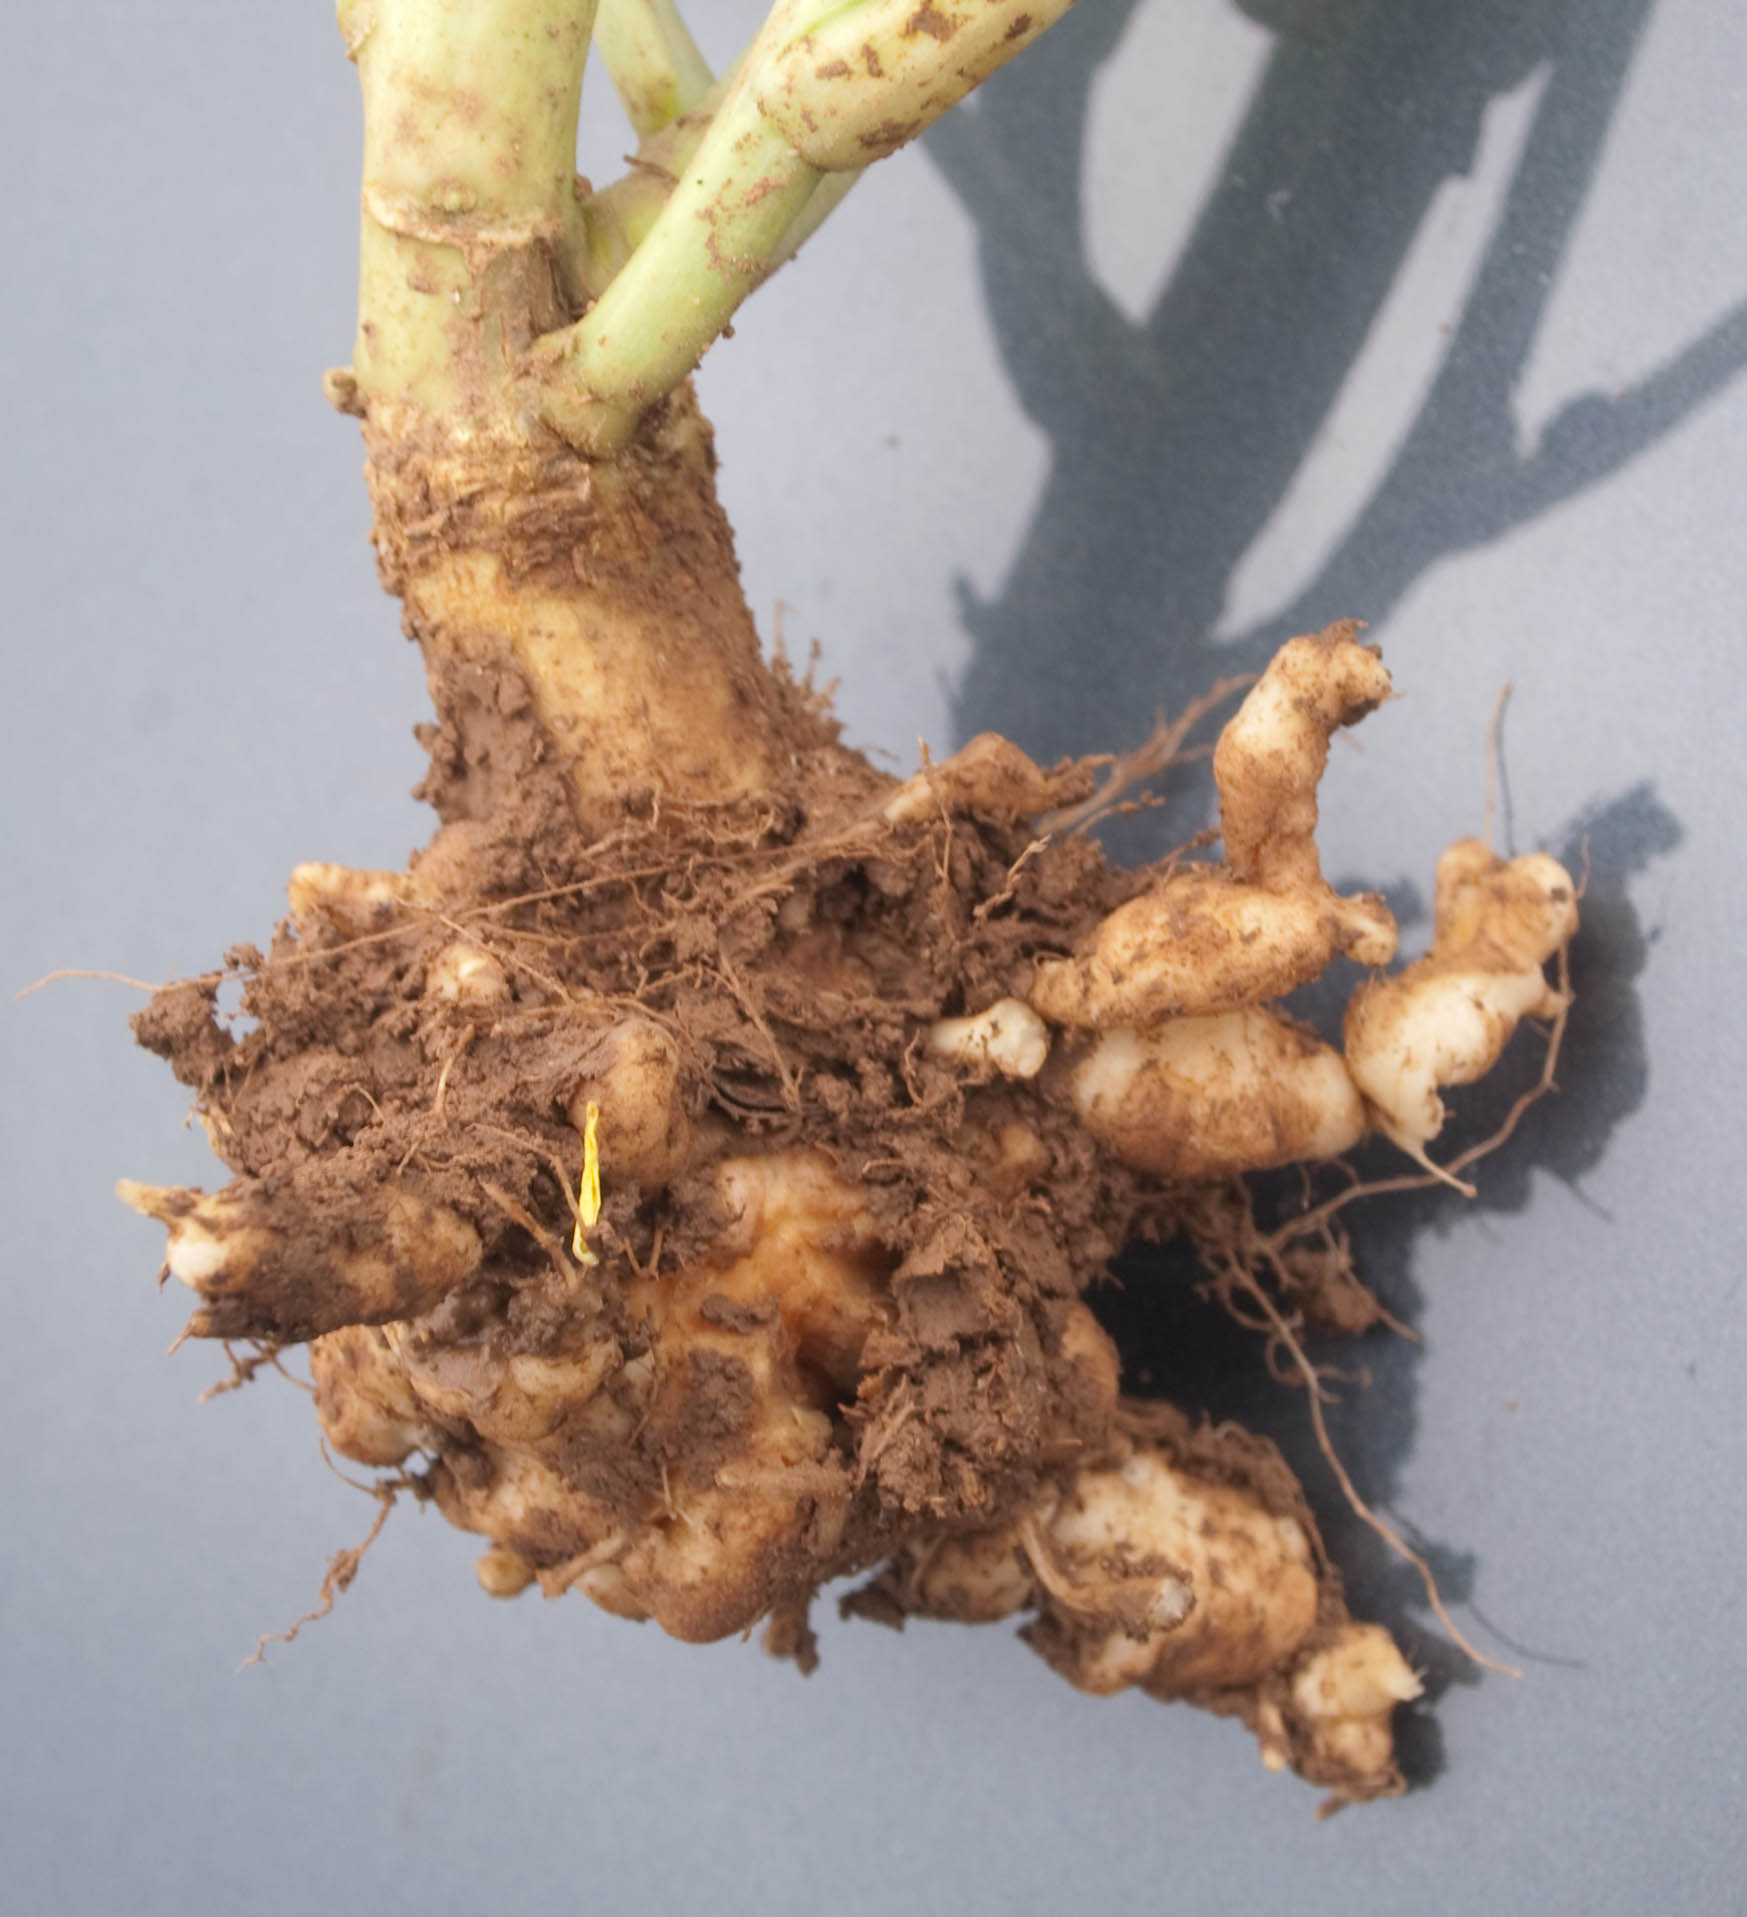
[1243, 1280]
[245, 1368]
[78, 971]
[343, 1568]
[1163, 749]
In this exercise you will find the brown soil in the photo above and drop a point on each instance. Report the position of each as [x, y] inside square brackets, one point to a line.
[795, 949]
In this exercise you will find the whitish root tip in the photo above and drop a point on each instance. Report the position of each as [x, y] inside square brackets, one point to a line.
[1171, 1606]
[504, 1573]
[196, 1258]
[177, 1206]
[1009, 1038]
[165, 1203]
[468, 976]
[1405, 1142]
[353, 903]
[1361, 1674]
[207, 1247]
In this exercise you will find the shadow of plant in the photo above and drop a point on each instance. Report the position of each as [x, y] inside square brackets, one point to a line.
[1179, 1345]
[1172, 442]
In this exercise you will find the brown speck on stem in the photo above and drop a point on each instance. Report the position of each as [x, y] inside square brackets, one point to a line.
[930, 20]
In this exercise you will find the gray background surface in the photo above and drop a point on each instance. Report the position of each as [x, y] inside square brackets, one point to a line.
[1202, 328]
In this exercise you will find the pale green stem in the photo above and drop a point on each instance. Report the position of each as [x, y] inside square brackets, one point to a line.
[652, 60]
[620, 217]
[617, 220]
[824, 90]
[469, 171]
[823, 201]
[867, 78]
[707, 248]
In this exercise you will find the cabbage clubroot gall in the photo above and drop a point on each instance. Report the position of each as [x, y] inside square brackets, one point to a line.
[688, 1173]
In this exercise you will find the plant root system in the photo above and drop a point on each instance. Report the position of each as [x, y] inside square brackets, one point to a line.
[688, 1173]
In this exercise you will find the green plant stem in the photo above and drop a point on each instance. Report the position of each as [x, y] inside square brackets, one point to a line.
[470, 196]
[869, 77]
[707, 247]
[469, 171]
[652, 60]
[823, 90]
[823, 201]
[619, 217]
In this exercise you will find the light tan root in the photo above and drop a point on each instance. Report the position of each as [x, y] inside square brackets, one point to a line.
[343, 1568]
[1206, 938]
[1185, 1566]
[270, 1263]
[1445, 1019]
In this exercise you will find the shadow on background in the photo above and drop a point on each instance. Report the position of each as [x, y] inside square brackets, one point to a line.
[1173, 441]
[1176, 1344]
